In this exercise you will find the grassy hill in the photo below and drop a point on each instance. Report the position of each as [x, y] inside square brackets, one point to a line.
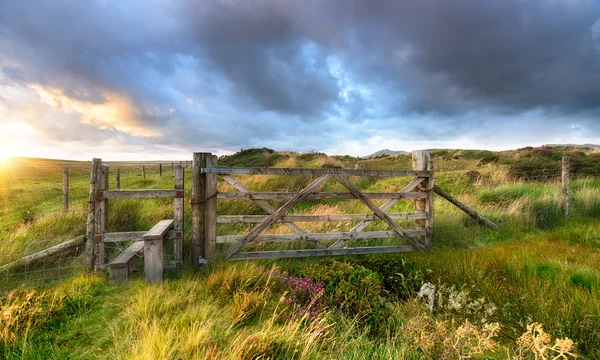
[498, 292]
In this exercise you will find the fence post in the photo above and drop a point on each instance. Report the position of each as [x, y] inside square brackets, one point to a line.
[66, 190]
[102, 216]
[143, 172]
[420, 160]
[118, 178]
[429, 184]
[565, 184]
[160, 170]
[178, 216]
[210, 212]
[172, 167]
[198, 208]
[90, 248]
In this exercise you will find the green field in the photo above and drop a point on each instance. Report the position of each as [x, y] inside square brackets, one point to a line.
[492, 285]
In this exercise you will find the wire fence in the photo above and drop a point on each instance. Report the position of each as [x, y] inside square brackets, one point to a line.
[34, 219]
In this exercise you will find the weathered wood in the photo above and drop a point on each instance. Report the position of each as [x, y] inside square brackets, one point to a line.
[210, 210]
[143, 172]
[472, 213]
[118, 178]
[350, 235]
[178, 214]
[134, 236]
[160, 170]
[136, 194]
[119, 268]
[420, 160]
[385, 207]
[101, 216]
[153, 260]
[321, 252]
[317, 218]
[267, 207]
[315, 172]
[90, 245]
[172, 167]
[318, 195]
[429, 208]
[198, 196]
[65, 190]
[565, 185]
[277, 215]
[378, 212]
[67, 246]
[159, 230]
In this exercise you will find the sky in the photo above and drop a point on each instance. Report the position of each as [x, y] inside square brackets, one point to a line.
[158, 79]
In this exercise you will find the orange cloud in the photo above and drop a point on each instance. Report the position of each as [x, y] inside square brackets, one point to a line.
[116, 112]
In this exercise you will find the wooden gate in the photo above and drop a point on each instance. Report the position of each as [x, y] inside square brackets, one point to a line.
[205, 217]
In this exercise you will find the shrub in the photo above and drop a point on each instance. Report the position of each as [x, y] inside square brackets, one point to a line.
[304, 298]
[353, 290]
[546, 212]
[490, 159]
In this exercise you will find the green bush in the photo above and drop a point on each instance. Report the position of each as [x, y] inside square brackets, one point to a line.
[353, 290]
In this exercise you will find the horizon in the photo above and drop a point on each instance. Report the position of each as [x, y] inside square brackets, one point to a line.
[161, 79]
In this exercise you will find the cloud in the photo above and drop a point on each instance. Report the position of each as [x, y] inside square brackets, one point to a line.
[225, 74]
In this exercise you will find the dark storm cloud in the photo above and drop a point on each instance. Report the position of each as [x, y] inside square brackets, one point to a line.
[267, 70]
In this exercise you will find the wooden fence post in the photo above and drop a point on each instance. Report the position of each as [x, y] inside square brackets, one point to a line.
[101, 216]
[143, 172]
[429, 184]
[210, 212]
[565, 184]
[198, 208]
[66, 190]
[160, 169]
[178, 216]
[172, 167]
[90, 248]
[118, 178]
[420, 160]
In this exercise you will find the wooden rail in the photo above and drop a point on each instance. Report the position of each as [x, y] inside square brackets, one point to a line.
[224, 239]
[138, 194]
[224, 219]
[313, 172]
[319, 195]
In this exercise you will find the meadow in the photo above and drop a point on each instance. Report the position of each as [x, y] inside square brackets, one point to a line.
[528, 290]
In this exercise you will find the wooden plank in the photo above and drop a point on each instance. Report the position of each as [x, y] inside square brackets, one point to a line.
[319, 195]
[65, 190]
[67, 246]
[210, 212]
[159, 230]
[267, 207]
[429, 208]
[420, 160]
[136, 194]
[178, 214]
[378, 212]
[136, 236]
[321, 252]
[125, 257]
[472, 213]
[90, 245]
[101, 216]
[277, 215]
[385, 207]
[315, 172]
[153, 260]
[226, 239]
[198, 196]
[225, 219]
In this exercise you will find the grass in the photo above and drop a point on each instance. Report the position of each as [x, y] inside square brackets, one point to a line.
[538, 267]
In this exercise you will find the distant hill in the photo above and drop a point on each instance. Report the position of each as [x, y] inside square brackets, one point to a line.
[590, 146]
[384, 152]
